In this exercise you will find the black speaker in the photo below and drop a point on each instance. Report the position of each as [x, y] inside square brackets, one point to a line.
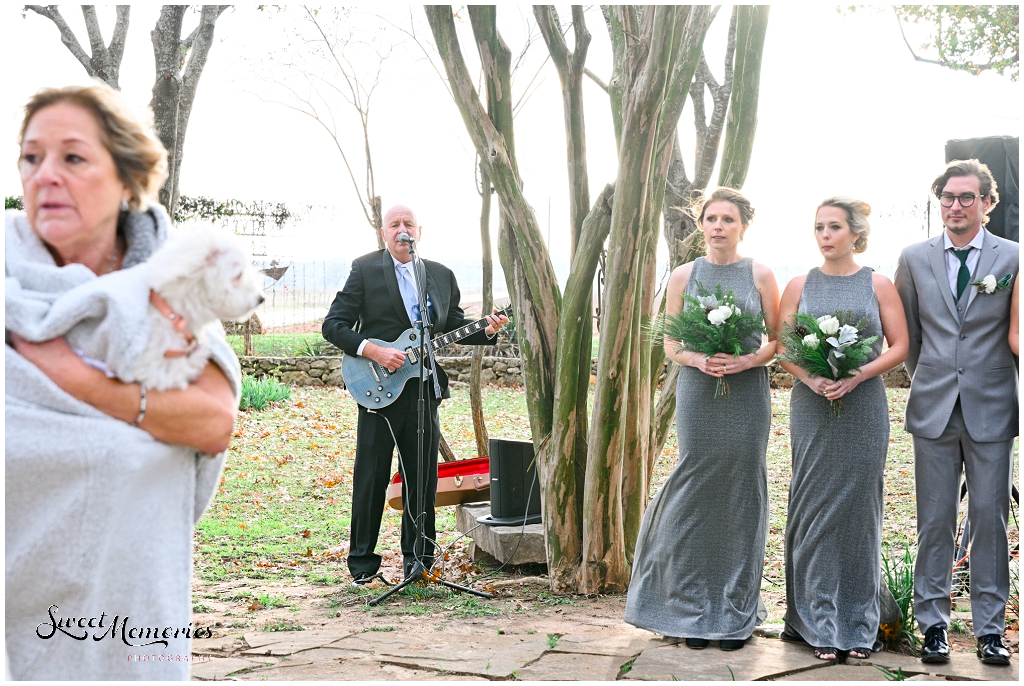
[513, 483]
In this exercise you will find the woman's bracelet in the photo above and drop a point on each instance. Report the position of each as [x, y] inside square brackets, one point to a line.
[142, 406]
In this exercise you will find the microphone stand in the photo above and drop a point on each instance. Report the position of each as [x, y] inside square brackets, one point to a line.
[426, 353]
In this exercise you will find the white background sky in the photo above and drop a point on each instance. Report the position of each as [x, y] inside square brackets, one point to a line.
[844, 109]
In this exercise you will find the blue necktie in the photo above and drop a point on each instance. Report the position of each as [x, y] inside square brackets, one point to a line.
[409, 296]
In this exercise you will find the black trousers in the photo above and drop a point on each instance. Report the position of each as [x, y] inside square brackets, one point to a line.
[372, 474]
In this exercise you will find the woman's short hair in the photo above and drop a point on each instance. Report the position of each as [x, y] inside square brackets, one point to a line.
[727, 195]
[140, 158]
[987, 186]
[857, 212]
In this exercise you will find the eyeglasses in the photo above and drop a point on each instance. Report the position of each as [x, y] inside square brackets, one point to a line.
[966, 199]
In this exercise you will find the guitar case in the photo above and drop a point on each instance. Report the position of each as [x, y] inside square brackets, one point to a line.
[461, 481]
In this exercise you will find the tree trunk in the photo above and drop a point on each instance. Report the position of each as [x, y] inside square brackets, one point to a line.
[752, 25]
[177, 79]
[571, 71]
[532, 283]
[654, 67]
[476, 400]
[656, 53]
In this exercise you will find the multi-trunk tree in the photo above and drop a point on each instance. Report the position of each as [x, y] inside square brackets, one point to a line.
[179, 65]
[594, 472]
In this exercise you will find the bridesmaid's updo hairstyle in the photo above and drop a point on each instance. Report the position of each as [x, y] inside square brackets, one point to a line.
[857, 212]
[727, 195]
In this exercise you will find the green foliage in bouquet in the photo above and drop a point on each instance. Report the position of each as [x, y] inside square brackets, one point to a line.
[711, 323]
[829, 346]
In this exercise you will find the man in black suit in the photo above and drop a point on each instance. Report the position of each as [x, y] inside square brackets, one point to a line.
[380, 295]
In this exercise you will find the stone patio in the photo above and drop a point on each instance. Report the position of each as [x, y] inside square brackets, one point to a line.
[607, 653]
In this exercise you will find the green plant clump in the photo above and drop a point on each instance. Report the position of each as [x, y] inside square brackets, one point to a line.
[899, 577]
[258, 393]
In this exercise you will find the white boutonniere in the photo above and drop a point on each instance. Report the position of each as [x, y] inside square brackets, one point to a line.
[989, 285]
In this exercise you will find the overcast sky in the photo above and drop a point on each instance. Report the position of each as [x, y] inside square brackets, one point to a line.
[844, 109]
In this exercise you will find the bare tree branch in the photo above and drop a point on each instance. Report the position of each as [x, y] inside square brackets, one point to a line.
[92, 26]
[67, 36]
[117, 40]
[594, 77]
[917, 57]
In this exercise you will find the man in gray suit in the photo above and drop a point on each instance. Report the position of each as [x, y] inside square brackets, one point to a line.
[962, 408]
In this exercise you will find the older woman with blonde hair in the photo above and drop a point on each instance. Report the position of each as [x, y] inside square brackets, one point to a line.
[104, 480]
[834, 592]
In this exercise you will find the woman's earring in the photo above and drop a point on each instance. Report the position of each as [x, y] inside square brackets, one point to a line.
[124, 204]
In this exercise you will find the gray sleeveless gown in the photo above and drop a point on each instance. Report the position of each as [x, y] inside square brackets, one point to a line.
[834, 589]
[700, 554]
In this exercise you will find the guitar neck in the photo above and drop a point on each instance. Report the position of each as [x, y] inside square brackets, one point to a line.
[447, 339]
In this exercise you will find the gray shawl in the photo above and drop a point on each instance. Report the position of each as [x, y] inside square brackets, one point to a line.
[99, 515]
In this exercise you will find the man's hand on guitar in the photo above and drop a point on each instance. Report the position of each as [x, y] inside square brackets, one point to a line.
[494, 323]
[389, 358]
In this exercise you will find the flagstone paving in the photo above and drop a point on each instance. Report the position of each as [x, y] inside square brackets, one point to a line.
[605, 654]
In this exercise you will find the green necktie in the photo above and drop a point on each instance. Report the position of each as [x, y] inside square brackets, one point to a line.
[964, 275]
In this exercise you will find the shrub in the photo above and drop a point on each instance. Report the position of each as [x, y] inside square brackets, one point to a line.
[258, 393]
[899, 577]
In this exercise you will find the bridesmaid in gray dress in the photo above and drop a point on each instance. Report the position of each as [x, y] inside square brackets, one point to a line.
[700, 553]
[834, 589]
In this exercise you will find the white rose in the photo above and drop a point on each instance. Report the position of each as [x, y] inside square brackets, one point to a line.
[988, 284]
[811, 341]
[718, 315]
[828, 325]
[737, 311]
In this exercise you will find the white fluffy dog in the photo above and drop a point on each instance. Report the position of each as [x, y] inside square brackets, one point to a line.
[198, 278]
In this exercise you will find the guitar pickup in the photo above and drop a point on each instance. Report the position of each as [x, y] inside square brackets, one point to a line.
[413, 356]
[373, 370]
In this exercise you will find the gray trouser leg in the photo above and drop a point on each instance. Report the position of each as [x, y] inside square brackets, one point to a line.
[988, 505]
[937, 467]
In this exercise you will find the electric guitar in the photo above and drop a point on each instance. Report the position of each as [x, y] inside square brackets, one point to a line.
[374, 386]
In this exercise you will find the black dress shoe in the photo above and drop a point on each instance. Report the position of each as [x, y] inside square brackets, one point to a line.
[363, 578]
[936, 646]
[992, 651]
[697, 643]
[731, 644]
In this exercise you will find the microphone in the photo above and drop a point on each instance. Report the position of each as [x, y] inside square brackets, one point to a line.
[406, 238]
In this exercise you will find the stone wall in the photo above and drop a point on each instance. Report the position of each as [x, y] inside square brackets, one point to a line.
[326, 371]
[505, 371]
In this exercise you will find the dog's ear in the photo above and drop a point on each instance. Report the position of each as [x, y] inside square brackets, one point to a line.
[214, 256]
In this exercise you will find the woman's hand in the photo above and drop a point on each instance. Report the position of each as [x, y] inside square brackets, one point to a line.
[837, 389]
[819, 384]
[733, 365]
[706, 364]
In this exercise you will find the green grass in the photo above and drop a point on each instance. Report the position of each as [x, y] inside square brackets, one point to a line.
[282, 509]
[269, 601]
[277, 344]
[284, 625]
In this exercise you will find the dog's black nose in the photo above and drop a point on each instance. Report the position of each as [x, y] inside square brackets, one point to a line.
[260, 301]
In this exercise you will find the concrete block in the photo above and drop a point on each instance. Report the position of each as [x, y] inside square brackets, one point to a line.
[501, 541]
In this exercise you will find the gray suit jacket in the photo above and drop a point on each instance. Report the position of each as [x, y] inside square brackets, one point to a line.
[959, 348]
